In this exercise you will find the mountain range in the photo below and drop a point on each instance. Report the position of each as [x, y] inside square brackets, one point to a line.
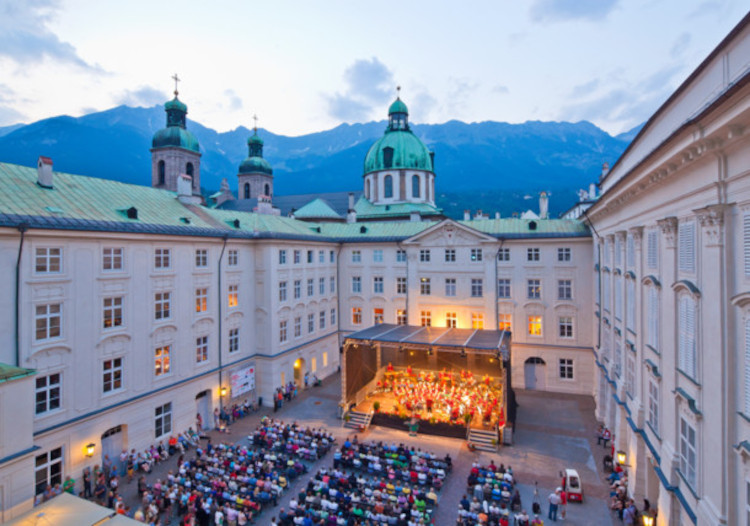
[494, 166]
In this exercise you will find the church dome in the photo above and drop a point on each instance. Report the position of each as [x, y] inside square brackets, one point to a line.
[398, 106]
[255, 165]
[405, 150]
[176, 133]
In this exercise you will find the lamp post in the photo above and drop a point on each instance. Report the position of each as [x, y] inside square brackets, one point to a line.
[621, 458]
[89, 449]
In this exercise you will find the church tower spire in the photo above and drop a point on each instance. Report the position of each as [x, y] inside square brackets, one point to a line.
[255, 176]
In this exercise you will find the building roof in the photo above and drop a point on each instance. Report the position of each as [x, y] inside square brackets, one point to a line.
[486, 340]
[11, 372]
[317, 208]
[408, 152]
[367, 210]
[69, 510]
[524, 228]
[338, 201]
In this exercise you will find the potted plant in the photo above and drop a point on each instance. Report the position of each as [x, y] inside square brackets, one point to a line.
[467, 419]
[376, 406]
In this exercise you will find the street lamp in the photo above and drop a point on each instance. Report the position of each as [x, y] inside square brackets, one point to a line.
[223, 390]
[648, 520]
[90, 449]
[621, 457]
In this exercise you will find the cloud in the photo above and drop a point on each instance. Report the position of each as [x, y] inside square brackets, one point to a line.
[710, 7]
[234, 102]
[680, 45]
[500, 89]
[144, 96]
[461, 89]
[369, 84]
[26, 39]
[421, 106]
[8, 113]
[582, 90]
[560, 10]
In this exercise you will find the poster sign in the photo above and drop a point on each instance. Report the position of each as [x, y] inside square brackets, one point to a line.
[242, 380]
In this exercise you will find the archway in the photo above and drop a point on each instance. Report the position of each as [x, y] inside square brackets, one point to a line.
[203, 408]
[300, 367]
[113, 442]
[535, 373]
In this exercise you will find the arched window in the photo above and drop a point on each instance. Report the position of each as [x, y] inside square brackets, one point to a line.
[367, 189]
[267, 189]
[415, 186]
[190, 171]
[247, 190]
[388, 186]
[161, 172]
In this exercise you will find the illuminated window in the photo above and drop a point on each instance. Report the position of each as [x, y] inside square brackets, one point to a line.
[201, 349]
[201, 258]
[48, 260]
[325, 359]
[401, 317]
[112, 312]
[424, 286]
[234, 340]
[450, 319]
[162, 305]
[425, 318]
[504, 322]
[233, 295]
[535, 325]
[356, 315]
[201, 300]
[161, 360]
[477, 320]
[378, 316]
[534, 289]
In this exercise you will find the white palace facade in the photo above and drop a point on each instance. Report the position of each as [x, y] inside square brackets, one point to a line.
[126, 310]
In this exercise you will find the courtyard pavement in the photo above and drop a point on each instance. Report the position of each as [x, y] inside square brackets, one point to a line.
[553, 432]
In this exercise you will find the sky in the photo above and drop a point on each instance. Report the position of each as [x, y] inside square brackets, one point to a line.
[303, 66]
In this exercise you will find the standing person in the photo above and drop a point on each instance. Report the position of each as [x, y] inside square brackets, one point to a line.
[563, 503]
[199, 423]
[630, 514]
[554, 504]
[87, 483]
[217, 419]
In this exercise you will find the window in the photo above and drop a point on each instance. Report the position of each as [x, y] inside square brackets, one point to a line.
[201, 258]
[321, 256]
[424, 255]
[356, 284]
[450, 255]
[617, 367]
[606, 280]
[47, 393]
[630, 252]
[333, 317]
[112, 375]
[234, 340]
[534, 289]
[378, 316]
[565, 324]
[535, 325]
[48, 260]
[332, 256]
[356, 315]
[618, 297]
[425, 318]
[563, 254]
[321, 286]
[564, 289]
[400, 317]
[201, 300]
[504, 322]
[310, 287]
[688, 455]
[282, 290]
[377, 284]
[450, 319]
[377, 256]
[233, 295]
[630, 374]
[112, 312]
[566, 368]
[476, 254]
[163, 420]
[325, 359]
[161, 360]
[233, 258]
[686, 241]
[686, 336]
[282, 331]
[310, 323]
[424, 286]
[450, 286]
[201, 349]
[332, 284]
[48, 470]
[297, 289]
[401, 285]
[356, 256]
[388, 185]
[297, 257]
[477, 287]
[247, 190]
[48, 321]
[309, 256]
[297, 327]
[162, 305]
[477, 320]
[630, 304]
[112, 259]
[401, 256]
[503, 288]
[322, 319]
[653, 405]
[415, 186]
[282, 257]
[532, 254]
[652, 248]
[162, 258]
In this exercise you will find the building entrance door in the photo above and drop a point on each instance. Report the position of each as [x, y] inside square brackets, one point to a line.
[203, 408]
[299, 373]
[113, 442]
[535, 373]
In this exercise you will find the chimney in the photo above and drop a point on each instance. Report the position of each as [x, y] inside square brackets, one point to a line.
[44, 172]
[467, 215]
[592, 191]
[605, 171]
[478, 215]
[497, 215]
[543, 206]
[185, 190]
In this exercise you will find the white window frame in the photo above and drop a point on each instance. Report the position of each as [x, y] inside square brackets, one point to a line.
[565, 289]
[356, 284]
[564, 254]
[356, 256]
[450, 287]
[533, 254]
[565, 327]
[48, 322]
[201, 258]
[653, 405]
[201, 349]
[322, 320]
[322, 286]
[297, 289]
[652, 249]
[112, 312]
[450, 255]
[503, 288]
[233, 340]
[378, 315]
[400, 256]
[310, 323]
[534, 320]
[377, 255]
[51, 464]
[283, 336]
[163, 360]
[566, 370]
[424, 255]
[112, 375]
[451, 319]
[233, 257]
[687, 451]
[687, 335]
[282, 256]
[401, 317]
[425, 286]
[476, 255]
[534, 288]
[377, 285]
[298, 326]
[333, 317]
[477, 320]
[163, 420]
[477, 287]
[505, 321]
[401, 285]
[282, 291]
[310, 287]
[233, 295]
[113, 259]
[201, 299]
[48, 260]
[686, 246]
[357, 315]
[48, 394]
[162, 258]
[162, 306]
[425, 318]
[503, 254]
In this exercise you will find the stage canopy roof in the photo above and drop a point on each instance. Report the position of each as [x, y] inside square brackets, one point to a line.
[436, 336]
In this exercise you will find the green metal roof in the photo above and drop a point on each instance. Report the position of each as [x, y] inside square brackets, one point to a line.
[255, 165]
[366, 210]
[385, 230]
[175, 104]
[398, 106]
[11, 372]
[523, 227]
[177, 137]
[317, 208]
[261, 223]
[408, 152]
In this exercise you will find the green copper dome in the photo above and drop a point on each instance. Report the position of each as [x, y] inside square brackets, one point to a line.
[406, 151]
[398, 106]
[255, 163]
[254, 139]
[176, 133]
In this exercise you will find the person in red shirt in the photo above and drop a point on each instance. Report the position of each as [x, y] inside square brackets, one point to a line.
[563, 503]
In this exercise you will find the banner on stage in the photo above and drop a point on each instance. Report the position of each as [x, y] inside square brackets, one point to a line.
[242, 380]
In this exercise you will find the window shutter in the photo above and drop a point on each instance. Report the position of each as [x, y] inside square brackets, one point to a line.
[746, 242]
[747, 367]
[691, 339]
[630, 314]
[653, 317]
[687, 247]
[631, 251]
[653, 240]
[681, 322]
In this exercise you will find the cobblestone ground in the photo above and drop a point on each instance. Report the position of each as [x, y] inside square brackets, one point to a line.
[553, 432]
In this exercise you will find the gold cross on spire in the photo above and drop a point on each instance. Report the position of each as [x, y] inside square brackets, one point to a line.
[255, 118]
[176, 80]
